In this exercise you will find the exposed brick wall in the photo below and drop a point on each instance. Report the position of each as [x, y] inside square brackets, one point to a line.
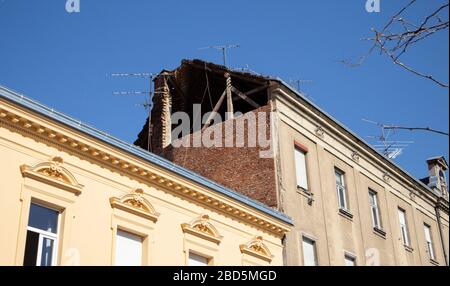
[240, 169]
[158, 127]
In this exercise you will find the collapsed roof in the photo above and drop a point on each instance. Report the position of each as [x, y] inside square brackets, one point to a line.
[196, 81]
[200, 82]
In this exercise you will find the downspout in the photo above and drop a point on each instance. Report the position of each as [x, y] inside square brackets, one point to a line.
[441, 235]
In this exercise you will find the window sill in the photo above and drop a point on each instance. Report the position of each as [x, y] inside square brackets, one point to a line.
[307, 194]
[379, 232]
[434, 262]
[408, 248]
[303, 190]
[346, 213]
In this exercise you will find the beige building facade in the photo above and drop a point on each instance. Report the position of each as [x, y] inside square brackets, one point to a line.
[72, 195]
[347, 184]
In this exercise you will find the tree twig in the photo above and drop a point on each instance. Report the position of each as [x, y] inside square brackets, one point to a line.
[394, 43]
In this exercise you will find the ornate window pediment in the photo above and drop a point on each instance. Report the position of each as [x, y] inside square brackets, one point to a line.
[257, 248]
[135, 203]
[53, 172]
[203, 228]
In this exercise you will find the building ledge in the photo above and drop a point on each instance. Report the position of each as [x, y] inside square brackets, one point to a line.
[379, 232]
[434, 262]
[306, 193]
[408, 248]
[346, 214]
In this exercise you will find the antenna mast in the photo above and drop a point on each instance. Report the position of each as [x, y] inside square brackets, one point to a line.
[298, 82]
[147, 104]
[389, 148]
[224, 49]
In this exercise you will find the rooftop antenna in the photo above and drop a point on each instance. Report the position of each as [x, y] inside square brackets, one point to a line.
[297, 85]
[247, 69]
[224, 49]
[148, 104]
[298, 82]
[389, 148]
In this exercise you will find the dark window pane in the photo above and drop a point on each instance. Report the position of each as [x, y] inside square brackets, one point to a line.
[31, 248]
[43, 218]
[47, 252]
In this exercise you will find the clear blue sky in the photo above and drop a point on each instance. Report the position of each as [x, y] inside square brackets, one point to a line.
[62, 59]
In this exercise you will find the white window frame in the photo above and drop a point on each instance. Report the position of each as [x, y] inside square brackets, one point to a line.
[429, 241]
[207, 259]
[340, 188]
[126, 232]
[374, 209]
[404, 232]
[46, 234]
[314, 247]
[301, 179]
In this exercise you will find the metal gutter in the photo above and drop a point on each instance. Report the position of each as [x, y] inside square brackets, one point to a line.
[52, 114]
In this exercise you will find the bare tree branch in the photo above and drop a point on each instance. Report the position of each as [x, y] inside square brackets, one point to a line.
[400, 35]
[429, 129]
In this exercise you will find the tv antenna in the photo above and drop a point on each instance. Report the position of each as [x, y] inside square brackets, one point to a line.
[389, 148]
[247, 69]
[148, 104]
[297, 85]
[224, 49]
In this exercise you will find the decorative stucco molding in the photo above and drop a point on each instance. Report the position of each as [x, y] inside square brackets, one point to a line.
[53, 172]
[355, 156]
[135, 203]
[412, 195]
[91, 150]
[203, 228]
[319, 131]
[387, 177]
[257, 248]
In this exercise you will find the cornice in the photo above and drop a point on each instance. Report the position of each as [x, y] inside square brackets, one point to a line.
[443, 205]
[113, 158]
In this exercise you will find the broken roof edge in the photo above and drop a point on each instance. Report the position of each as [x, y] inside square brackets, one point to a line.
[212, 66]
[363, 142]
[50, 113]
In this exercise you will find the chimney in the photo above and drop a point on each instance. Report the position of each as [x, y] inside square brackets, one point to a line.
[437, 179]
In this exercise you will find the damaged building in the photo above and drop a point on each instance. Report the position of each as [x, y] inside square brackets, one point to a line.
[197, 82]
[350, 204]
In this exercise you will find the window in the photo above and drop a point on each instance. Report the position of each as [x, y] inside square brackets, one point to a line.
[42, 237]
[350, 260]
[403, 227]
[373, 201]
[429, 241]
[128, 249]
[197, 260]
[300, 168]
[309, 252]
[340, 188]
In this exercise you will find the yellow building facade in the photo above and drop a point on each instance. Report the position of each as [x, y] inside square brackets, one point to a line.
[73, 195]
